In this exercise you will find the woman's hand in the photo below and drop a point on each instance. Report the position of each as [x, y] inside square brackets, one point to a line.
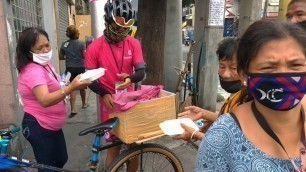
[127, 81]
[192, 112]
[108, 100]
[76, 84]
[187, 133]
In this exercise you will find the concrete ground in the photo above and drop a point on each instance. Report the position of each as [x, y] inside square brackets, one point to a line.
[79, 146]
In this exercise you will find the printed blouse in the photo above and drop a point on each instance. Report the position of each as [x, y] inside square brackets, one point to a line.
[226, 148]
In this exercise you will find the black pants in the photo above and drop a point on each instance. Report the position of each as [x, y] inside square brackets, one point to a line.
[75, 71]
[49, 146]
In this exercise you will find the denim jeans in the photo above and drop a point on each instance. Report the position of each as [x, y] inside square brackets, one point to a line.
[49, 146]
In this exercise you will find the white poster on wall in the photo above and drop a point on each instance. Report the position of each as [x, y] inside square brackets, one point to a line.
[216, 13]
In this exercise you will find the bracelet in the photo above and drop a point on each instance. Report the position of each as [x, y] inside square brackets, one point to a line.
[193, 134]
[63, 92]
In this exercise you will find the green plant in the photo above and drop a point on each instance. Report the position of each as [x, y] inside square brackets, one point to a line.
[220, 98]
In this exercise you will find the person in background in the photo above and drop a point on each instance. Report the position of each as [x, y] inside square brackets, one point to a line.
[265, 133]
[43, 99]
[229, 81]
[73, 51]
[296, 11]
[120, 55]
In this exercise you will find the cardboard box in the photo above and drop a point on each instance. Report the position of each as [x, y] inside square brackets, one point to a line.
[141, 122]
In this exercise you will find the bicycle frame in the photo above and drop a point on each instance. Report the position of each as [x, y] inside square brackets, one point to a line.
[96, 148]
[7, 162]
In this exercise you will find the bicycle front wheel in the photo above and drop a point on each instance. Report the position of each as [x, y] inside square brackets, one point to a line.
[149, 157]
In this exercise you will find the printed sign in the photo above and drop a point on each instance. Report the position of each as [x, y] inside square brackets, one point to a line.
[216, 13]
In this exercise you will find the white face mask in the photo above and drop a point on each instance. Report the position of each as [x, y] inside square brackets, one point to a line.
[43, 58]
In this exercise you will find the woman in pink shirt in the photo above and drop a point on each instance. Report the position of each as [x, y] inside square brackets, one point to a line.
[42, 97]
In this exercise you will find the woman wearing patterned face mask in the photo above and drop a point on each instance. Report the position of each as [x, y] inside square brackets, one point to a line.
[263, 134]
[42, 97]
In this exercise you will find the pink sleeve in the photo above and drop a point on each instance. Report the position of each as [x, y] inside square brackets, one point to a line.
[35, 77]
[137, 54]
[91, 56]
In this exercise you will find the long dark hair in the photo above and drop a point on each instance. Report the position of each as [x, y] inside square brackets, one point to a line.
[26, 41]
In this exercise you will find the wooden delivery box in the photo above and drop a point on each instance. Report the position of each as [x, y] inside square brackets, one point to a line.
[141, 122]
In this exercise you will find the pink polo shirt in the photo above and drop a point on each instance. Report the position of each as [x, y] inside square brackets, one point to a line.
[32, 75]
[115, 59]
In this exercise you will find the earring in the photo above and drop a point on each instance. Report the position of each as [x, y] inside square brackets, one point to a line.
[244, 83]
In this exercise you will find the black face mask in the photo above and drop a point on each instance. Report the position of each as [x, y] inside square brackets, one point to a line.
[302, 24]
[230, 86]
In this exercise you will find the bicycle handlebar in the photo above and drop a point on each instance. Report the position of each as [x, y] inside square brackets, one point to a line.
[9, 132]
[15, 130]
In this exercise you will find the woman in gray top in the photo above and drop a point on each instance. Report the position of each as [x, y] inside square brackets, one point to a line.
[73, 51]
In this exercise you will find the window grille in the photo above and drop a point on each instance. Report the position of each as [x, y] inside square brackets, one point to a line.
[26, 13]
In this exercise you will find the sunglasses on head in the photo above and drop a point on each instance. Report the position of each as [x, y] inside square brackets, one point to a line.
[120, 21]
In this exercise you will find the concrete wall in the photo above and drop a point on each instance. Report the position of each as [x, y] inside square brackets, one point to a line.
[97, 17]
[250, 11]
[173, 43]
[8, 112]
[72, 12]
[83, 23]
[49, 24]
[283, 9]
[205, 58]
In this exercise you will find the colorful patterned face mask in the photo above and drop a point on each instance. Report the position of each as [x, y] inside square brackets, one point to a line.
[279, 91]
[115, 36]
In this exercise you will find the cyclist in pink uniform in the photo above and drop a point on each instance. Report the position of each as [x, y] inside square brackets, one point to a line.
[119, 54]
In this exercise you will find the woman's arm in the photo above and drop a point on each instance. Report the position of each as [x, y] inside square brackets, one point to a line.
[61, 56]
[46, 99]
[208, 115]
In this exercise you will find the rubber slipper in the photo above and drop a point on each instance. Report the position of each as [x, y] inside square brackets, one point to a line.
[72, 114]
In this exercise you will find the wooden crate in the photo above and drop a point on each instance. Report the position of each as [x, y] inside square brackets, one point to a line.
[141, 122]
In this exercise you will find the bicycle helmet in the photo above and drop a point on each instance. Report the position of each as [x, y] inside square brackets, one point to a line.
[118, 8]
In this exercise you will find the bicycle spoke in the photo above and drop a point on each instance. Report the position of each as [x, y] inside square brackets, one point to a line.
[156, 158]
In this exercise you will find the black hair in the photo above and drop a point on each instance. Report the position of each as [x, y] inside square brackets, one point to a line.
[26, 41]
[260, 33]
[295, 1]
[227, 48]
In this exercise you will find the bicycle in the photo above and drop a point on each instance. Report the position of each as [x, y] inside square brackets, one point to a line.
[185, 82]
[146, 153]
